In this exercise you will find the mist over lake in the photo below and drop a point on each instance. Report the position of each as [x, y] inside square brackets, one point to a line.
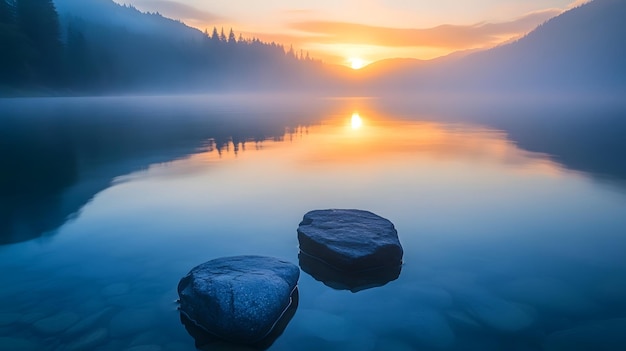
[513, 240]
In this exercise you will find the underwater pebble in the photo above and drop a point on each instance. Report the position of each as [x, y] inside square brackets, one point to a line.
[92, 304]
[612, 291]
[605, 335]
[429, 295]
[88, 323]
[454, 281]
[426, 326]
[495, 312]
[220, 346]
[15, 344]
[116, 289]
[179, 346]
[56, 323]
[145, 348]
[324, 325]
[460, 318]
[424, 323]
[31, 318]
[112, 345]
[549, 294]
[132, 321]
[130, 301]
[89, 341]
[392, 345]
[9, 318]
[147, 338]
[338, 331]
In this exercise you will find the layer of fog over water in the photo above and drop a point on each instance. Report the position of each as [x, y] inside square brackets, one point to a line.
[511, 216]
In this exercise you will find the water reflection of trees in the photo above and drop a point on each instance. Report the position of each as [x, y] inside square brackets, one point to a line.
[56, 156]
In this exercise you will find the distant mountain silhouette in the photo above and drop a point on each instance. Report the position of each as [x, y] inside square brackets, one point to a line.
[339, 79]
[581, 50]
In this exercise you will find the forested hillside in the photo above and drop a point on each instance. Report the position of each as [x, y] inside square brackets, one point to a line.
[98, 46]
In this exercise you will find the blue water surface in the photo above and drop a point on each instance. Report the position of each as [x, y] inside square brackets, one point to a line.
[512, 217]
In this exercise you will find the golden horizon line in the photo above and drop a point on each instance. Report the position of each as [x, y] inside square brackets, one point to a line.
[333, 58]
[353, 48]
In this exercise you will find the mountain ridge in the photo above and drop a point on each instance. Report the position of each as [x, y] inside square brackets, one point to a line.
[580, 50]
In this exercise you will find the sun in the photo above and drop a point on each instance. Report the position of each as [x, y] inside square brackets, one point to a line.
[356, 122]
[356, 63]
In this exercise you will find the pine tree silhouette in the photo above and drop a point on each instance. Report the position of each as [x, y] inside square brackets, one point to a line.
[39, 22]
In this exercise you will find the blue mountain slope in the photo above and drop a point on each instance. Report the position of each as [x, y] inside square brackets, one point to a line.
[111, 14]
[582, 50]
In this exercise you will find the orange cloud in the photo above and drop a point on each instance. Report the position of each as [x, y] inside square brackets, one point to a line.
[445, 36]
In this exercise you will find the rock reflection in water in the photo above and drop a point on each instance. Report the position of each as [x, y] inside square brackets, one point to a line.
[353, 281]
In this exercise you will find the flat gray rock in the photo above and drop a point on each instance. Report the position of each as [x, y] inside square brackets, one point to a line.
[239, 299]
[350, 240]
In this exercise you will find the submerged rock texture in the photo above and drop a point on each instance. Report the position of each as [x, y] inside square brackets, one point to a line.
[239, 299]
[350, 240]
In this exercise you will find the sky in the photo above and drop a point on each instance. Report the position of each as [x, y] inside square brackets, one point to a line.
[358, 32]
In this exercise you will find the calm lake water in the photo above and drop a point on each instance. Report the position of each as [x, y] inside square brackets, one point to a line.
[512, 217]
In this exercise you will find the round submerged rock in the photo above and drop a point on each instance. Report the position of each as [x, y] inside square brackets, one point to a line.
[350, 240]
[239, 299]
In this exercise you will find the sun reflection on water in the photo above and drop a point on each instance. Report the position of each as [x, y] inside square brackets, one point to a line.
[339, 141]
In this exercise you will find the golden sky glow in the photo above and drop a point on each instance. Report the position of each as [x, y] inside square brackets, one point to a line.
[344, 32]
